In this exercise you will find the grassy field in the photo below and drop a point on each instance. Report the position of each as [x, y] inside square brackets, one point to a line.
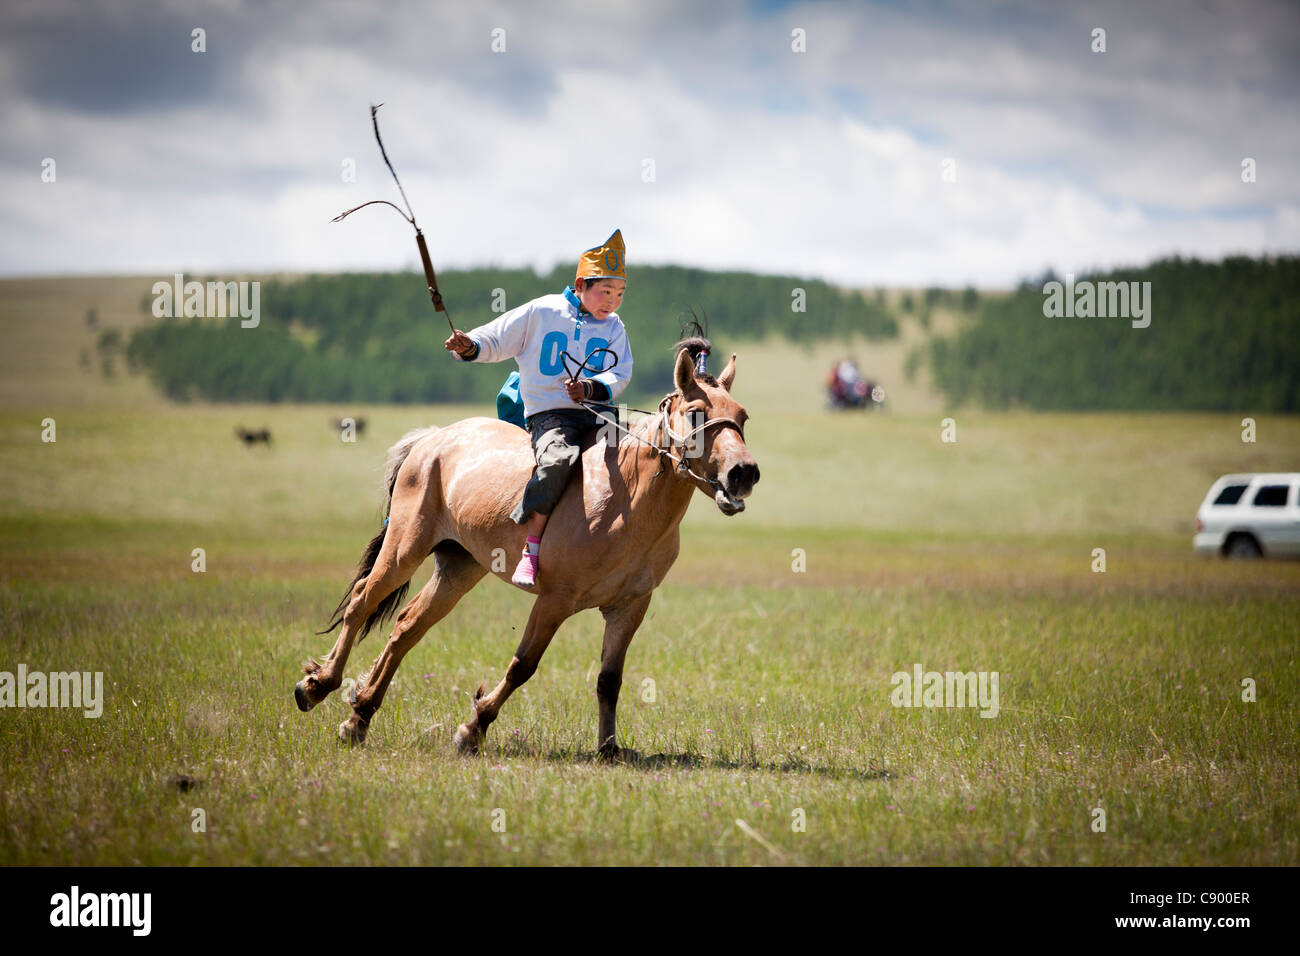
[772, 687]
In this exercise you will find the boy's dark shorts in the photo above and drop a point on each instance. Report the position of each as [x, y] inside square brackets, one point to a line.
[557, 437]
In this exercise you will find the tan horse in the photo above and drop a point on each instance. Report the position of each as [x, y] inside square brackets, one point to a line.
[609, 543]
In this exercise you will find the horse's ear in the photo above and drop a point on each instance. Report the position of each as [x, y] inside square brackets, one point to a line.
[683, 371]
[728, 374]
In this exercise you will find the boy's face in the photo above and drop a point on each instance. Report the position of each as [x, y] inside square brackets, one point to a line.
[602, 296]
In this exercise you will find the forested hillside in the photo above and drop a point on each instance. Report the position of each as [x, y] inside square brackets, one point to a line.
[376, 337]
[1221, 336]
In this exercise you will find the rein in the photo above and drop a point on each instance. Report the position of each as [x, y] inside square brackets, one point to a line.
[663, 425]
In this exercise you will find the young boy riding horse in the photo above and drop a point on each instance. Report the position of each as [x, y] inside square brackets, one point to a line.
[538, 334]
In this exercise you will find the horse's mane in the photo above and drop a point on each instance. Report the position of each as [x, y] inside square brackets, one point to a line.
[694, 338]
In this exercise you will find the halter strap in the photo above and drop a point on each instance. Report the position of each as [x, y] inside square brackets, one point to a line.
[685, 439]
[666, 450]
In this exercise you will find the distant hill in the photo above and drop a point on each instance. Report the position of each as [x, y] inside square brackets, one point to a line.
[1221, 336]
[376, 338]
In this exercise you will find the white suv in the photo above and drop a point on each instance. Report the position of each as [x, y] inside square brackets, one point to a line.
[1246, 516]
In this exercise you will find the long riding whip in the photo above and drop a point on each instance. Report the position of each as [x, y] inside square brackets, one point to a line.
[409, 216]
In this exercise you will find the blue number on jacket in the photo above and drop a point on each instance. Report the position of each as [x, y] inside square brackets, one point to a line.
[592, 345]
[555, 342]
[552, 345]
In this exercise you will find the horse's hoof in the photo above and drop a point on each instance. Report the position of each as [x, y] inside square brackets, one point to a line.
[353, 732]
[304, 702]
[465, 741]
[612, 754]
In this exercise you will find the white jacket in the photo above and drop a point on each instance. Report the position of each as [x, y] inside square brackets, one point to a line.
[537, 332]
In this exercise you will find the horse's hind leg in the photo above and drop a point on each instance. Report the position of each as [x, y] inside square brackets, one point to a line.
[455, 573]
[406, 545]
[547, 616]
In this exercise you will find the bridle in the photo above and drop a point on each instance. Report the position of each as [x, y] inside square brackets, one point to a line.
[663, 427]
[666, 428]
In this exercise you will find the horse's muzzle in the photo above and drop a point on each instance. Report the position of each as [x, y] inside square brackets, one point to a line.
[741, 479]
[737, 484]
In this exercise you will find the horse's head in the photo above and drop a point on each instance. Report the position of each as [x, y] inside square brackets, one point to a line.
[709, 432]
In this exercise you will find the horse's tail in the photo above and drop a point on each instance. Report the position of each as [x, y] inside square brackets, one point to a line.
[397, 455]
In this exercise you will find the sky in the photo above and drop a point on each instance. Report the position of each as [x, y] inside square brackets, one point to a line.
[895, 144]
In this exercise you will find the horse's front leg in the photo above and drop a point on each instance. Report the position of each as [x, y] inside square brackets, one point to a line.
[546, 617]
[621, 622]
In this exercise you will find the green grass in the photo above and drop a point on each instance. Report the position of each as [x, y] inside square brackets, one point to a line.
[767, 700]
[772, 688]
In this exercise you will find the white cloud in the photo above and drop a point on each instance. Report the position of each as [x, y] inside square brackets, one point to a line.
[825, 163]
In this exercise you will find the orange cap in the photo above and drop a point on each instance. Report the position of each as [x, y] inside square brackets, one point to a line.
[605, 261]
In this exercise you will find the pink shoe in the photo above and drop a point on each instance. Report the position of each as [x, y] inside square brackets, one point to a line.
[526, 573]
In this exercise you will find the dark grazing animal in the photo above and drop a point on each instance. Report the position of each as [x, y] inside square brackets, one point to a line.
[250, 437]
[358, 424]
